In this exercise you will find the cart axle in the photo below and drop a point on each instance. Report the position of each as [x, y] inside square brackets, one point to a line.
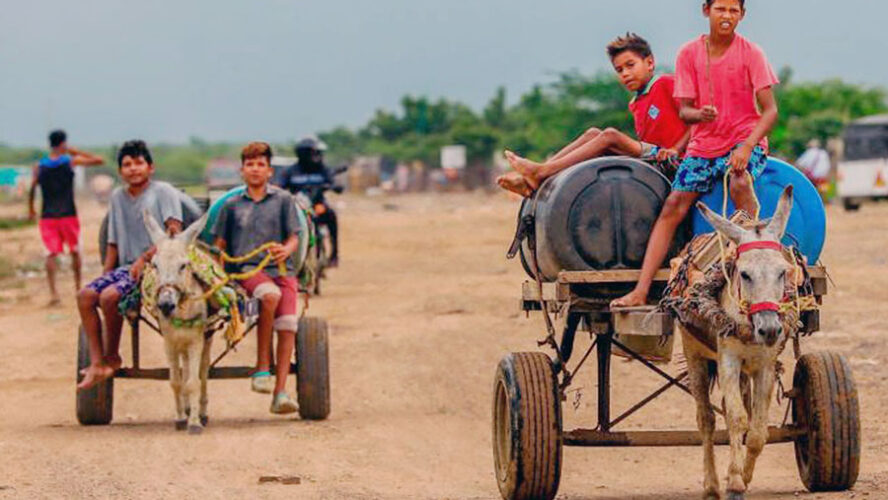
[588, 437]
[219, 372]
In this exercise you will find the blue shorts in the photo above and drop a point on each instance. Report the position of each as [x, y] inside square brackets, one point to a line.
[700, 175]
[119, 278]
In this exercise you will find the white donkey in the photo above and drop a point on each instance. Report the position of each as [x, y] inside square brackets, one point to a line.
[759, 277]
[182, 318]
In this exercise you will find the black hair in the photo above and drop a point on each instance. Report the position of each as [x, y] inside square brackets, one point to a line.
[742, 3]
[629, 42]
[57, 137]
[134, 149]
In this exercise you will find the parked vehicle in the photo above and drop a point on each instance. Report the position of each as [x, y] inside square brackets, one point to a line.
[863, 170]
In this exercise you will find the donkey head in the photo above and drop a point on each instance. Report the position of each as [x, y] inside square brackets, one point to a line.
[170, 262]
[762, 273]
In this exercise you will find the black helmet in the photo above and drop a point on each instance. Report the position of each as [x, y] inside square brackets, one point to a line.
[310, 143]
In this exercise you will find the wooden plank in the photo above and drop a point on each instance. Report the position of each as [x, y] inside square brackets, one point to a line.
[612, 276]
[642, 321]
[588, 437]
[219, 372]
[552, 292]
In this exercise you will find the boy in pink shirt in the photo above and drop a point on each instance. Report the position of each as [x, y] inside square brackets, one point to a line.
[721, 82]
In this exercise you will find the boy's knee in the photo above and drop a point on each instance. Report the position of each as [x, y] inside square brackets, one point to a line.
[611, 135]
[109, 298]
[676, 206]
[87, 297]
[268, 295]
[739, 184]
[591, 133]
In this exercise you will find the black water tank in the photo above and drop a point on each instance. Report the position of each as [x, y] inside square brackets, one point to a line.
[597, 215]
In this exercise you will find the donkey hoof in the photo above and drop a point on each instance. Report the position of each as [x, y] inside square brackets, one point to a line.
[204, 420]
[711, 496]
[736, 495]
[194, 430]
[181, 425]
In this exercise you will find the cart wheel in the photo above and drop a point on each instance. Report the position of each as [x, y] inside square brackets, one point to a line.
[526, 427]
[312, 369]
[95, 406]
[828, 454]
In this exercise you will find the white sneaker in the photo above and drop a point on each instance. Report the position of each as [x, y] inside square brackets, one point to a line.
[283, 404]
[262, 382]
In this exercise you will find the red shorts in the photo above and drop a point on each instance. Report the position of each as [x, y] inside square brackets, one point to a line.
[286, 316]
[57, 233]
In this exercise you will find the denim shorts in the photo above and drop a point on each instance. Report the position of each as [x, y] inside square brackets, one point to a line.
[700, 175]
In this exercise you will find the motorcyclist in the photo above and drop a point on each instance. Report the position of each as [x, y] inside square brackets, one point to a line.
[310, 176]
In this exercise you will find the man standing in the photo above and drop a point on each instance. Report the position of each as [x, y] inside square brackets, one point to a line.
[815, 164]
[59, 226]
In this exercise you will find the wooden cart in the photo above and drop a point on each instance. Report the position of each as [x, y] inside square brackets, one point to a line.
[530, 387]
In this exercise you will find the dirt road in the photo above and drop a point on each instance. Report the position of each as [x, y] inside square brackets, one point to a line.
[422, 308]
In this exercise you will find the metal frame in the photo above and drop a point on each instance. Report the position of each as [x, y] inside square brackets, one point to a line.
[568, 298]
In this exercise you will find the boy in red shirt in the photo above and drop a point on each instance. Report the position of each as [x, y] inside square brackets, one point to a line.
[722, 81]
[661, 132]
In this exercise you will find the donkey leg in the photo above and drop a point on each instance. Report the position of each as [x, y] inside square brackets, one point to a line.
[204, 374]
[176, 384]
[737, 419]
[699, 384]
[758, 425]
[192, 385]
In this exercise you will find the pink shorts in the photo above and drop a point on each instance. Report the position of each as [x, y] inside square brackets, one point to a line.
[286, 316]
[56, 233]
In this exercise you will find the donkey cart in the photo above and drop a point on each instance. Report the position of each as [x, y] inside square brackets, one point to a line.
[95, 406]
[821, 418]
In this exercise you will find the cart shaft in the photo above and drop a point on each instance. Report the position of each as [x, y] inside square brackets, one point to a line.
[588, 437]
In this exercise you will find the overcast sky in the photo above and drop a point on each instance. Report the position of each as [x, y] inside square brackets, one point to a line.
[109, 70]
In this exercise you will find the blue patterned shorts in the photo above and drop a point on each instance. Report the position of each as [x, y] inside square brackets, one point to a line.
[700, 175]
[118, 278]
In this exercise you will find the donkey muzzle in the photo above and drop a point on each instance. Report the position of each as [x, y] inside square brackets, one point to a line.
[167, 300]
[767, 327]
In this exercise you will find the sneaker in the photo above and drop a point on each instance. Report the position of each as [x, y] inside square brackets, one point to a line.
[283, 404]
[262, 382]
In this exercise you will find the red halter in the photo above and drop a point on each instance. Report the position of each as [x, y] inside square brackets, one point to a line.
[761, 245]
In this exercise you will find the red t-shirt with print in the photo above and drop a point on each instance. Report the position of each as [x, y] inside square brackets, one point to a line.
[655, 111]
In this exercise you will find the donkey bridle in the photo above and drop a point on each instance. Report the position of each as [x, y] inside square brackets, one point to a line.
[760, 245]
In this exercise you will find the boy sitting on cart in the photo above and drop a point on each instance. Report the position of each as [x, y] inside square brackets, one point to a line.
[662, 135]
[129, 249]
[264, 213]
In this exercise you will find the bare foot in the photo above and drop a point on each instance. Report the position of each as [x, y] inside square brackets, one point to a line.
[114, 361]
[54, 302]
[514, 182]
[633, 299]
[528, 169]
[93, 375]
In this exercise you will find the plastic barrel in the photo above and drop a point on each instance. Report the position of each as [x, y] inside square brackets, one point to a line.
[598, 215]
[806, 229]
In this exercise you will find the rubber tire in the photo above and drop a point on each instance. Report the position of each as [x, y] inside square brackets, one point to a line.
[850, 205]
[527, 446]
[103, 239]
[828, 455]
[313, 369]
[95, 406]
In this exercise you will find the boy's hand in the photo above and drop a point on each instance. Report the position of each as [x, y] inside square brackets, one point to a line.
[740, 158]
[709, 113]
[666, 154]
[279, 253]
[137, 268]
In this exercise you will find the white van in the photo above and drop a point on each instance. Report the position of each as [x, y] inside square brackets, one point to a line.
[863, 170]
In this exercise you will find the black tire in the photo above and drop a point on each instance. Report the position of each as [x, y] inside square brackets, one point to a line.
[850, 204]
[313, 369]
[826, 404]
[103, 239]
[95, 406]
[526, 427]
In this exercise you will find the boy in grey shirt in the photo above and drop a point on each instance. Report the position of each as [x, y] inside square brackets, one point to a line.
[129, 249]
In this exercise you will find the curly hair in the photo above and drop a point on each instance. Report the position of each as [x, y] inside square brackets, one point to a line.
[256, 149]
[134, 149]
[56, 138]
[629, 42]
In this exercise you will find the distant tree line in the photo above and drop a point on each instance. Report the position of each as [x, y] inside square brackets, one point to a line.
[536, 124]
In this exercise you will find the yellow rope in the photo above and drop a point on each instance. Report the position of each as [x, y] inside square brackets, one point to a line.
[282, 268]
[721, 243]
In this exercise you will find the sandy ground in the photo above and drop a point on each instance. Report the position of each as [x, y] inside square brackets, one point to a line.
[422, 308]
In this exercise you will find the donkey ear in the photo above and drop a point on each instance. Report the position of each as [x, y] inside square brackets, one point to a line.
[732, 231]
[190, 235]
[777, 226]
[155, 232]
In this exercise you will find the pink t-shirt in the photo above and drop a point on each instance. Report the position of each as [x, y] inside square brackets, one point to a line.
[736, 77]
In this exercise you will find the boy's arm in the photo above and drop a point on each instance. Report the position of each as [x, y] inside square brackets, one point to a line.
[677, 149]
[110, 258]
[85, 159]
[281, 252]
[32, 214]
[173, 227]
[768, 105]
[692, 115]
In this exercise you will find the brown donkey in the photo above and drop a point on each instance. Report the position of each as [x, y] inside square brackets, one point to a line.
[752, 299]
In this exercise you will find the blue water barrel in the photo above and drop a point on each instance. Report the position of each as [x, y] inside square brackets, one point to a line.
[806, 229]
